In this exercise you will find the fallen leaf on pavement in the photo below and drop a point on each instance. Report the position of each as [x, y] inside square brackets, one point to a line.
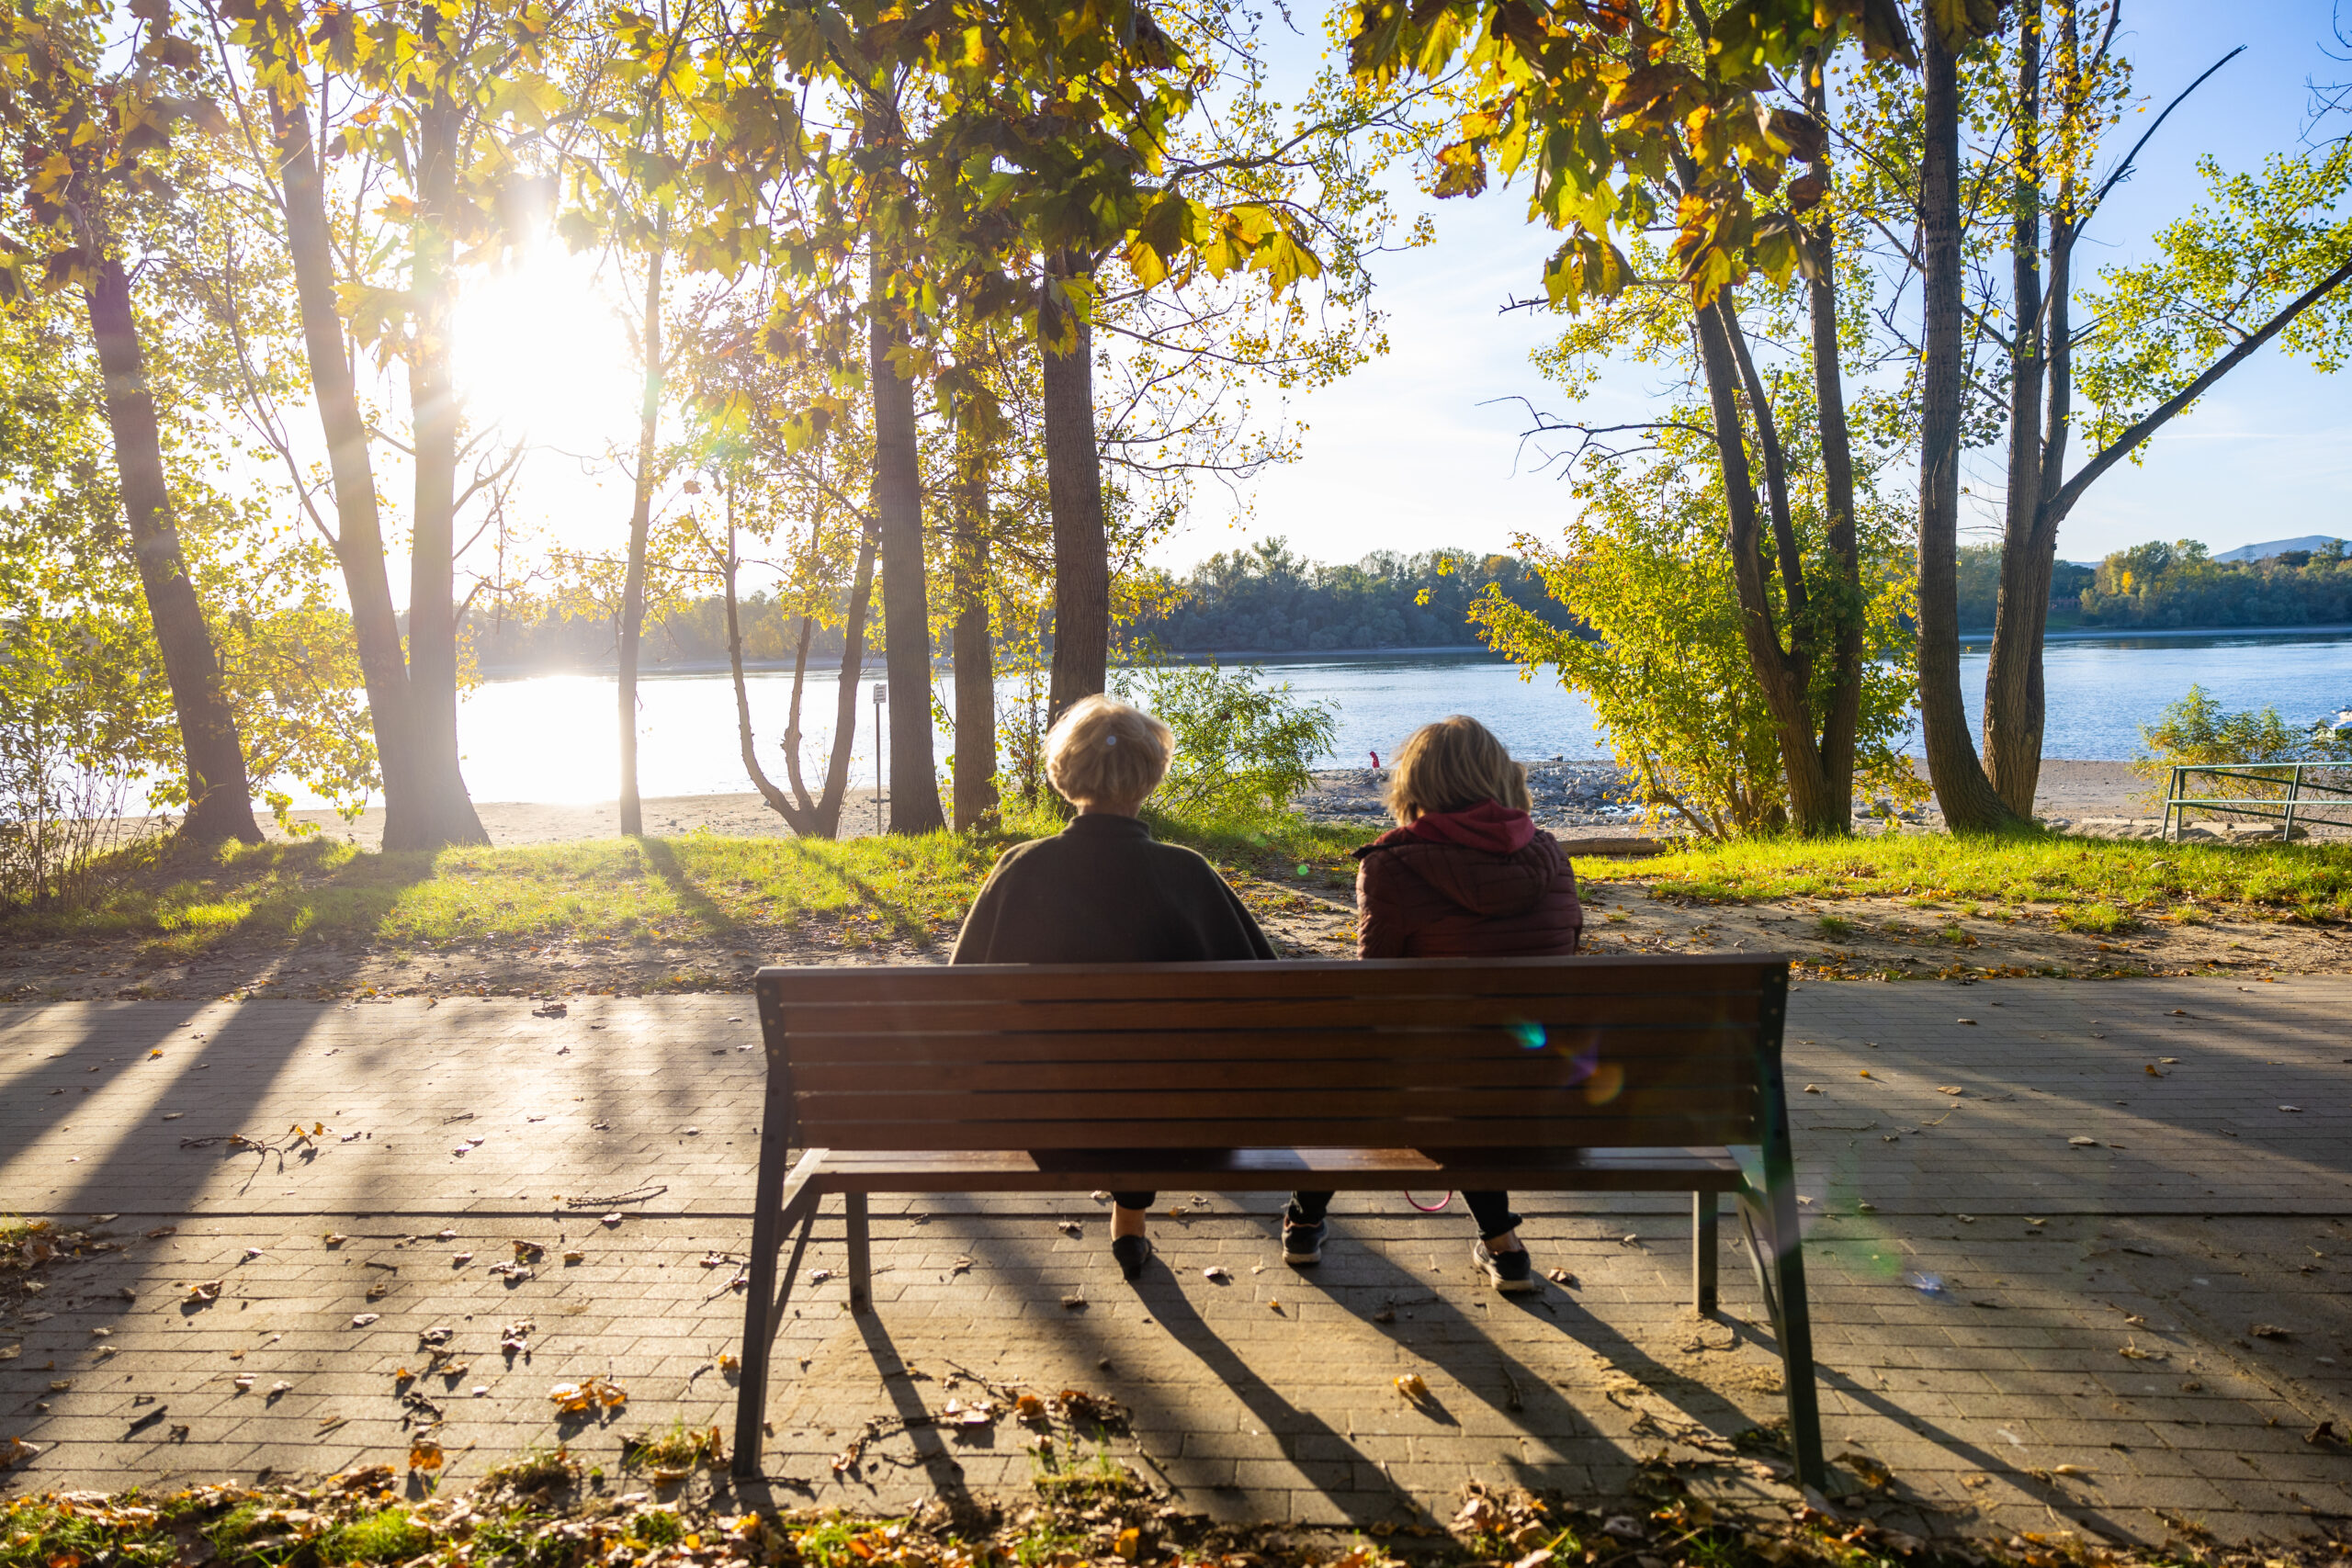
[361, 1320]
[1412, 1387]
[2270, 1331]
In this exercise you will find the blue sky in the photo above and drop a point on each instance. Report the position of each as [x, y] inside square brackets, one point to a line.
[1414, 451]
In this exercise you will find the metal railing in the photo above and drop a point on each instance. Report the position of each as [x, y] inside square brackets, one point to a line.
[2302, 792]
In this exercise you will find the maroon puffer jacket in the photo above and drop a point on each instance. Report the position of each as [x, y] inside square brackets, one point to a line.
[1486, 882]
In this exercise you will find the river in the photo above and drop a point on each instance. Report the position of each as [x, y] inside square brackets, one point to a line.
[551, 739]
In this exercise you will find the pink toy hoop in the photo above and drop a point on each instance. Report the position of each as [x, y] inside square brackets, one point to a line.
[1436, 1208]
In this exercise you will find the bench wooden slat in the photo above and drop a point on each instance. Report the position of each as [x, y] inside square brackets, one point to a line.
[1214, 1106]
[1280, 1170]
[897, 1016]
[925, 1051]
[1527, 1070]
[1664, 975]
[1278, 1130]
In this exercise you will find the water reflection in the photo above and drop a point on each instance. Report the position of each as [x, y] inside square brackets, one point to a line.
[551, 737]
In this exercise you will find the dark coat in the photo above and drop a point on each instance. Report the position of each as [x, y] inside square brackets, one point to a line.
[1484, 882]
[1104, 891]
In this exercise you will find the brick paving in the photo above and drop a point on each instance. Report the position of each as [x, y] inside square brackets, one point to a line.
[2024, 1329]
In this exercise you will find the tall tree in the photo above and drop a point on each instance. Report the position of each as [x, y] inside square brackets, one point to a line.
[87, 154]
[976, 420]
[2270, 259]
[422, 87]
[1969, 801]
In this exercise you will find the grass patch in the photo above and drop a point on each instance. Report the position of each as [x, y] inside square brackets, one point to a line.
[1081, 1480]
[673, 1455]
[390, 1535]
[1834, 927]
[2103, 920]
[536, 1472]
[699, 886]
[695, 888]
[1932, 868]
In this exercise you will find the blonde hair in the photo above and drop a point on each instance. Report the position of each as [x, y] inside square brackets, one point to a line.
[1102, 752]
[1452, 765]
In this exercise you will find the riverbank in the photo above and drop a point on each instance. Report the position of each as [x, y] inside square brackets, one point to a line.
[702, 912]
[1572, 800]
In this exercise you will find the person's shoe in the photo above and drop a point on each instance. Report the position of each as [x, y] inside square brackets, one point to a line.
[1513, 1272]
[1132, 1252]
[1303, 1244]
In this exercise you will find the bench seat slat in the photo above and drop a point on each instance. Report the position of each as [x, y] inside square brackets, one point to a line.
[1276, 1170]
[1312, 1037]
[1526, 1070]
[1655, 975]
[915, 1101]
[1278, 1130]
[900, 1016]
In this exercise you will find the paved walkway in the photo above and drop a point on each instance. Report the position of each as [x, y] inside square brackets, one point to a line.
[2020, 1327]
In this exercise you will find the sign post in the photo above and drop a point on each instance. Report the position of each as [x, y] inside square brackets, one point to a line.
[881, 695]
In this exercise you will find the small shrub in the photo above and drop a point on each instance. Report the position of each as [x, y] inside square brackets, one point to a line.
[1244, 749]
[1834, 927]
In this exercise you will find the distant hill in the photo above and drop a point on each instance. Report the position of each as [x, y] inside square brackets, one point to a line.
[2275, 548]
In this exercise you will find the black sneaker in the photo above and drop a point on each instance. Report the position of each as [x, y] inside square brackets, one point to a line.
[1513, 1272]
[1133, 1252]
[1303, 1244]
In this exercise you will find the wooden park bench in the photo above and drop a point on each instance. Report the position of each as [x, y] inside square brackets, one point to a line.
[1618, 1075]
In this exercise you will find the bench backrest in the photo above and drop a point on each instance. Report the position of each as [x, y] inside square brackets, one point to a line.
[1577, 1053]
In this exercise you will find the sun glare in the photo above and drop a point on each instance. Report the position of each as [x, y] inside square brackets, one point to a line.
[541, 353]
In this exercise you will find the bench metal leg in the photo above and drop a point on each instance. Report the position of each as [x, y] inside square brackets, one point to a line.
[785, 1203]
[1704, 1246]
[861, 1252]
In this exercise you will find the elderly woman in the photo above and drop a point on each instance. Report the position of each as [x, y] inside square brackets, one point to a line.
[1103, 891]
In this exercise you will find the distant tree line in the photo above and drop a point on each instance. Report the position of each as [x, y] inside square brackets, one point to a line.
[2179, 584]
[1260, 599]
[1267, 600]
[1980, 588]
[2175, 586]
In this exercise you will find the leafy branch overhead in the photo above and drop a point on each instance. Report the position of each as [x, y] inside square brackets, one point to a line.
[1627, 118]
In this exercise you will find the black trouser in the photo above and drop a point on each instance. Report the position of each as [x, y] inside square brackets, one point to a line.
[1491, 1210]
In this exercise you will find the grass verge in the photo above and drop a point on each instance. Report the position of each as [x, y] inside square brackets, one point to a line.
[2103, 881]
[698, 887]
[356, 1520]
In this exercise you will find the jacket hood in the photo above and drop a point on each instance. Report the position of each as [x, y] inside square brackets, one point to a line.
[1489, 882]
[1489, 825]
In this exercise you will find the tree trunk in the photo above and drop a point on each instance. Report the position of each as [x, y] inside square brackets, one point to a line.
[974, 674]
[220, 798]
[2013, 674]
[1782, 675]
[447, 814]
[905, 598]
[1967, 797]
[1074, 490]
[359, 535]
[640, 522]
[1842, 722]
